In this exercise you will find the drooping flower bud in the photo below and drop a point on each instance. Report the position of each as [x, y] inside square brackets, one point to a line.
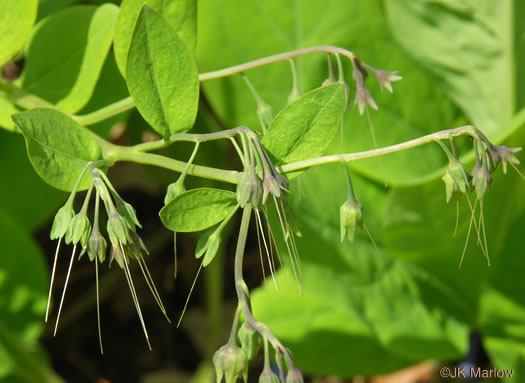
[267, 376]
[294, 376]
[364, 98]
[117, 255]
[230, 362]
[385, 78]
[79, 229]
[270, 186]
[117, 229]
[351, 216]
[250, 340]
[97, 246]
[250, 191]
[128, 213]
[506, 156]
[480, 181]
[174, 190]
[450, 186]
[459, 174]
[62, 221]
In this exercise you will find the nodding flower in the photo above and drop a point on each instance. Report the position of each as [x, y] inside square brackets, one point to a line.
[126, 244]
[262, 186]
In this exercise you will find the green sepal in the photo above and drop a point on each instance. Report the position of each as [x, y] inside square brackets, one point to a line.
[250, 340]
[62, 221]
[79, 230]
[351, 216]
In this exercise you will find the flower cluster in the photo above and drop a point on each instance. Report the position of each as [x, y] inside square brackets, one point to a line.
[262, 186]
[126, 245]
[460, 181]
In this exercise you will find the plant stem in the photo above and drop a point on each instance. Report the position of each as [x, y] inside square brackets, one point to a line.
[441, 135]
[127, 153]
[128, 103]
[239, 283]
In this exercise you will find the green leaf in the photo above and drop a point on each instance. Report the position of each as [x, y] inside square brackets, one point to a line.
[197, 209]
[357, 309]
[16, 20]
[162, 75]
[233, 26]
[468, 45]
[23, 296]
[58, 147]
[181, 14]
[7, 109]
[305, 128]
[64, 71]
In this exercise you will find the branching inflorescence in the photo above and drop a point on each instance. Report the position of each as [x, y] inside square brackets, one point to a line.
[290, 141]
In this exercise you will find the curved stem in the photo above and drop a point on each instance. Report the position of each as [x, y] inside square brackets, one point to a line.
[128, 103]
[239, 285]
[441, 135]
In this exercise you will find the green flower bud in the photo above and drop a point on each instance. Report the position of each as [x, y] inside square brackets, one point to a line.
[265, 113]
[212, 246]
[267, 376]
[250, 340]
[117, 255]
[364, 98]
[351, 216]
[97, 246]
[117, 229]
[175, 189]
[294, 376]
[480, 181]
[79, 230]
[62, 220]
[450, 186]
[459, 174]
[250, 191]
[128, 213]
[230, 362]
[270, 186]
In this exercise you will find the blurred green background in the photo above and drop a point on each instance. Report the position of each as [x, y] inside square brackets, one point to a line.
[361, 314]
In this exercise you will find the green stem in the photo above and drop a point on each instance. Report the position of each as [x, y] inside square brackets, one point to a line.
[232, 340]
[128, 103]
[239, 285]
[441, 135]
[22, 98]
[127, 153]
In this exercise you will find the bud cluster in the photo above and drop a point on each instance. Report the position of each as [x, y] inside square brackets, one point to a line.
[122, 223]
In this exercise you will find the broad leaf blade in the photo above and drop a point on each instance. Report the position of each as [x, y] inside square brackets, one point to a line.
[64, 71]
[466, 44]
[7, 109]
[197, 209]
[162, 75]
[58, 147]
[16, 20]
[306, 127]
[181, 14]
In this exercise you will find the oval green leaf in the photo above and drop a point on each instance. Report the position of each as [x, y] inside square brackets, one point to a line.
[58, 147]
[197, 209]
[162, 75]
[306, 127]
[181, 14]
[16, 20]
[65, 71]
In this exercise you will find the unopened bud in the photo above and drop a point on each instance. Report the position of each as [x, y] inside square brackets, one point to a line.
[459, 174]
[128, 214]
[117, 229]
[62, 220]
[79, 230]
[450, 186]
[250, 340]
[230, 362]
[294, 376]
[267, 376]
[351, 216]
[174, 190]
[270, 186]
[250, 191]
[117, 255]
[480, 181]
[97, 246]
